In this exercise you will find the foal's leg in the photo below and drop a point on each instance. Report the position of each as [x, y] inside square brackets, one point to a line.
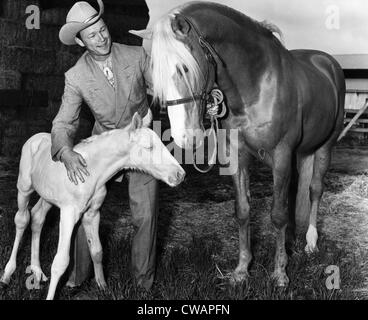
[322, 161]
[91, 221]
[242, 208]
[21, 221]
[69, 216]
[279, 214]
[38, 214]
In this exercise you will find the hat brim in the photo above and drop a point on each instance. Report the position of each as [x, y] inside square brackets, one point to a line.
[69, 30]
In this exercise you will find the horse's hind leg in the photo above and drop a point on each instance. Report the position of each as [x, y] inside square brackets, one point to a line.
[38, 214]
[91, 221]
[322, 159]
[242, 208]
[282, 166]
[21, 221]
[69, 216]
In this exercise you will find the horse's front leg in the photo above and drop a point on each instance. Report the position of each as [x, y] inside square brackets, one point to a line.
[242, 208]
[279, 215]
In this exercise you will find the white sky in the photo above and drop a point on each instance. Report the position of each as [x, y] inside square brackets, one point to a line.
[334, 26]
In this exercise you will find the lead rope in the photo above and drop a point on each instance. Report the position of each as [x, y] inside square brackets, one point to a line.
[212, 109]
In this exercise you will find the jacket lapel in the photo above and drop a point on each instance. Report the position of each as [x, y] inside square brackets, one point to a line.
[123, 73]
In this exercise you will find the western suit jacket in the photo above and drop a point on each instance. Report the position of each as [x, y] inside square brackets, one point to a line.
[111, 108]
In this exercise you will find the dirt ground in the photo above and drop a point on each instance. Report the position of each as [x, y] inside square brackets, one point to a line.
[204, 204]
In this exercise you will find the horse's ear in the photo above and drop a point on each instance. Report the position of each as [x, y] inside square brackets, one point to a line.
[180, 26]
[136, 122]
[144, 34]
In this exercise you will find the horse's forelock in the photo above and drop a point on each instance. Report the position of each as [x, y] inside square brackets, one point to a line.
[169, 56]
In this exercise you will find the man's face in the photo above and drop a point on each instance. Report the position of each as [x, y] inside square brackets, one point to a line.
[97, 39]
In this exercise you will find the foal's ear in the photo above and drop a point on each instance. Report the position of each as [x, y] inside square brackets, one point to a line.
[136, 122]
[180, 26]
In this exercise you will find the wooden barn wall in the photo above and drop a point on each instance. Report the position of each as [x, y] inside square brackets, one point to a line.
[33, 63]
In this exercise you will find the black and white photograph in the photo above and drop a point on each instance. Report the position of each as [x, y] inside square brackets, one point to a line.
[199, 152]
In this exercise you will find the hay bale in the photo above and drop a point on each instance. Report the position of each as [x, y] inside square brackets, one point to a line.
[53, 84]
[16, 9]
[12, 147]
[15, 128]
[14, 33]
[28, 60]
[10, 79]
[55, 16]
[65, 60]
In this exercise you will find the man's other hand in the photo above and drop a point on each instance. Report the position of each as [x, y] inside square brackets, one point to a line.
[75, 165]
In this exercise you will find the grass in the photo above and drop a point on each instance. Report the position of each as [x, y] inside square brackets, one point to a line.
[196, 273]
[198, 243]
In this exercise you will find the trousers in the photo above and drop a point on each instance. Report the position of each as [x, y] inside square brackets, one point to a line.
[143, 202]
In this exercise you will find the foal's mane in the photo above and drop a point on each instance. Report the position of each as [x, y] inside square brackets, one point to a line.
[170, 56]
[97, 137]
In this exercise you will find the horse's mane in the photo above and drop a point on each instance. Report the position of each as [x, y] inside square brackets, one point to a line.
[265, 27]
[273, 29]
[170, 56]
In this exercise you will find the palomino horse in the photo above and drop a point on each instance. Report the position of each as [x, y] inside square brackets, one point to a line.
[287, 107]
[135, 147]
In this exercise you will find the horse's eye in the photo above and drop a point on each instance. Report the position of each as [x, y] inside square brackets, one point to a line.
[179, 70]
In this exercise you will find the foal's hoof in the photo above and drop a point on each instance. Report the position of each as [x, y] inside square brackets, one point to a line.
[4, 282]
[101, 284]
[281, 279]
[3, 286]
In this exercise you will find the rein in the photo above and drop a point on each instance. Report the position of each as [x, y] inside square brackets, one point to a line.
[212, 111]
[211, 99]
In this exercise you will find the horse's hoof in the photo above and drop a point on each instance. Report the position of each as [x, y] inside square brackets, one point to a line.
[238, 277]
[310, 249]
[281, 279]
[312, 237]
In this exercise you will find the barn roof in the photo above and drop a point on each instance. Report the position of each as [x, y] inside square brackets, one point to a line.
[353, 61]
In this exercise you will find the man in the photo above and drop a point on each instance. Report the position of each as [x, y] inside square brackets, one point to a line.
[111, 78]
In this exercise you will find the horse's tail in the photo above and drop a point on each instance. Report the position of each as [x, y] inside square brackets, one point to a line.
[304, 172]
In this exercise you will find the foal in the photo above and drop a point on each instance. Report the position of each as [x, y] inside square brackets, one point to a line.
[135, 147]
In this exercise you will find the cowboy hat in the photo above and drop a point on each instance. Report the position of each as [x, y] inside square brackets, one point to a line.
[80, 16]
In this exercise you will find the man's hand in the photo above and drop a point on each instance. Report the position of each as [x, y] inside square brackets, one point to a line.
[75, 165]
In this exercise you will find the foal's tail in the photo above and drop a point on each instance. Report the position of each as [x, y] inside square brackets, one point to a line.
[29, 149]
